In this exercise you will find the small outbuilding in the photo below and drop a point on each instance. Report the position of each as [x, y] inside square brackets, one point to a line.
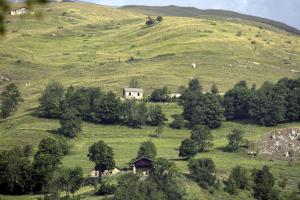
[133, 93]
[142, 166]
[21, 11]
[95, 173]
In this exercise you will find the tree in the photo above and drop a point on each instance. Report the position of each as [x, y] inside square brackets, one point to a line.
[164, 174]
[134, 114]
[160, 95]
[15, 172]
[202, 137]
[263, 184]
[69, 180]
[159, 18]
[178, 122]
[201, 109]
[102, 155]
[70, 124]
[148, 150]
[156, 116]
[107, 109]
[234, 140]
[134, 83]
[236, 101]
[46, 161]
[9, 99]
[187, 149]
[231, 186]
[85, 101]
[267, 106]
[241, 177]
[51, 100]
[130, 186]
[161, 184]
[202, 171]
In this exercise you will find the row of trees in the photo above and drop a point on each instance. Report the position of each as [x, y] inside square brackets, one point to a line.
[91, 104]
[269, 105]
[201, 139]
[20, 175]
[9, 100]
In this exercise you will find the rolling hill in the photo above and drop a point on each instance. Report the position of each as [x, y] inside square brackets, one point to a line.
[83, 44]
[194, 12]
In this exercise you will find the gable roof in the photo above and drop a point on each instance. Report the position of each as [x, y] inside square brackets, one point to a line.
[142, 158]
[133, 89]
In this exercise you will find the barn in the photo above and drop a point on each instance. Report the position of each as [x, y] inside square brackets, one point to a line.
[142, 166]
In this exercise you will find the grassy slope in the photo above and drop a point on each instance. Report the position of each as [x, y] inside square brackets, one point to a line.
[86, 53]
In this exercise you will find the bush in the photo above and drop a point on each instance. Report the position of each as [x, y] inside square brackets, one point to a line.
[231, 186]
[238, 34]
[159, 18]
[202, 171]
[156, 116]
[106, 189]
[234, 140]
[64, 146]
[241, 177]
[150, 21]
[9, 100]
[178, 122]
[70, 124]
[187, 148]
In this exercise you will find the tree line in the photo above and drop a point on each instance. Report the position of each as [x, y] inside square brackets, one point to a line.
[19, 174]
[268, 105]
[93, 105]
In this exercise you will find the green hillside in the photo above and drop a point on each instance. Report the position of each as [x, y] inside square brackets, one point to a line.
[215, 13]
[85, 44]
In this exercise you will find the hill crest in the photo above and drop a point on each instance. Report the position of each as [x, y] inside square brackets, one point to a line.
[173, 10]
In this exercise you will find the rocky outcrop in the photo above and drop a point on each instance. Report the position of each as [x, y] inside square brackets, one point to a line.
[281, 144]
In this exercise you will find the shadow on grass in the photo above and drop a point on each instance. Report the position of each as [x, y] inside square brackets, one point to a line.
[53, 131]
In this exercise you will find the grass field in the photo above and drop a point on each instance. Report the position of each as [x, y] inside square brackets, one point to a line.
[89, 45]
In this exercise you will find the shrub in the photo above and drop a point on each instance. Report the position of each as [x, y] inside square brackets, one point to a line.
[150, 21]
[148, 150]
[187, 148]
[70, 124]
[234, 140]
[202, 171]
[241, 177]
[106, 189]
[178, 122]
[202, 137]
[159, 18]
[263, 184]
[231, 186]
[156, 116]
[64, 146]
[9, 100]
[238, 34]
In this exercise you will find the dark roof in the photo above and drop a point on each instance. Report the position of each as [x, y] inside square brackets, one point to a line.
[142, 158]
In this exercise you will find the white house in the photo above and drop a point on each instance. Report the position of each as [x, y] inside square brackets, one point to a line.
[133, 93]
[95, 173]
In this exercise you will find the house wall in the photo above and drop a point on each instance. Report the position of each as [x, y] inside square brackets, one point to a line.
[133, 95]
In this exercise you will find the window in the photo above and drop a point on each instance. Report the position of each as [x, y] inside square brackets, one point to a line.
[129, 93]
[138, 94]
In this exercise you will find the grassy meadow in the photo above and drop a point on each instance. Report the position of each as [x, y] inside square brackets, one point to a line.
[84, 44]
